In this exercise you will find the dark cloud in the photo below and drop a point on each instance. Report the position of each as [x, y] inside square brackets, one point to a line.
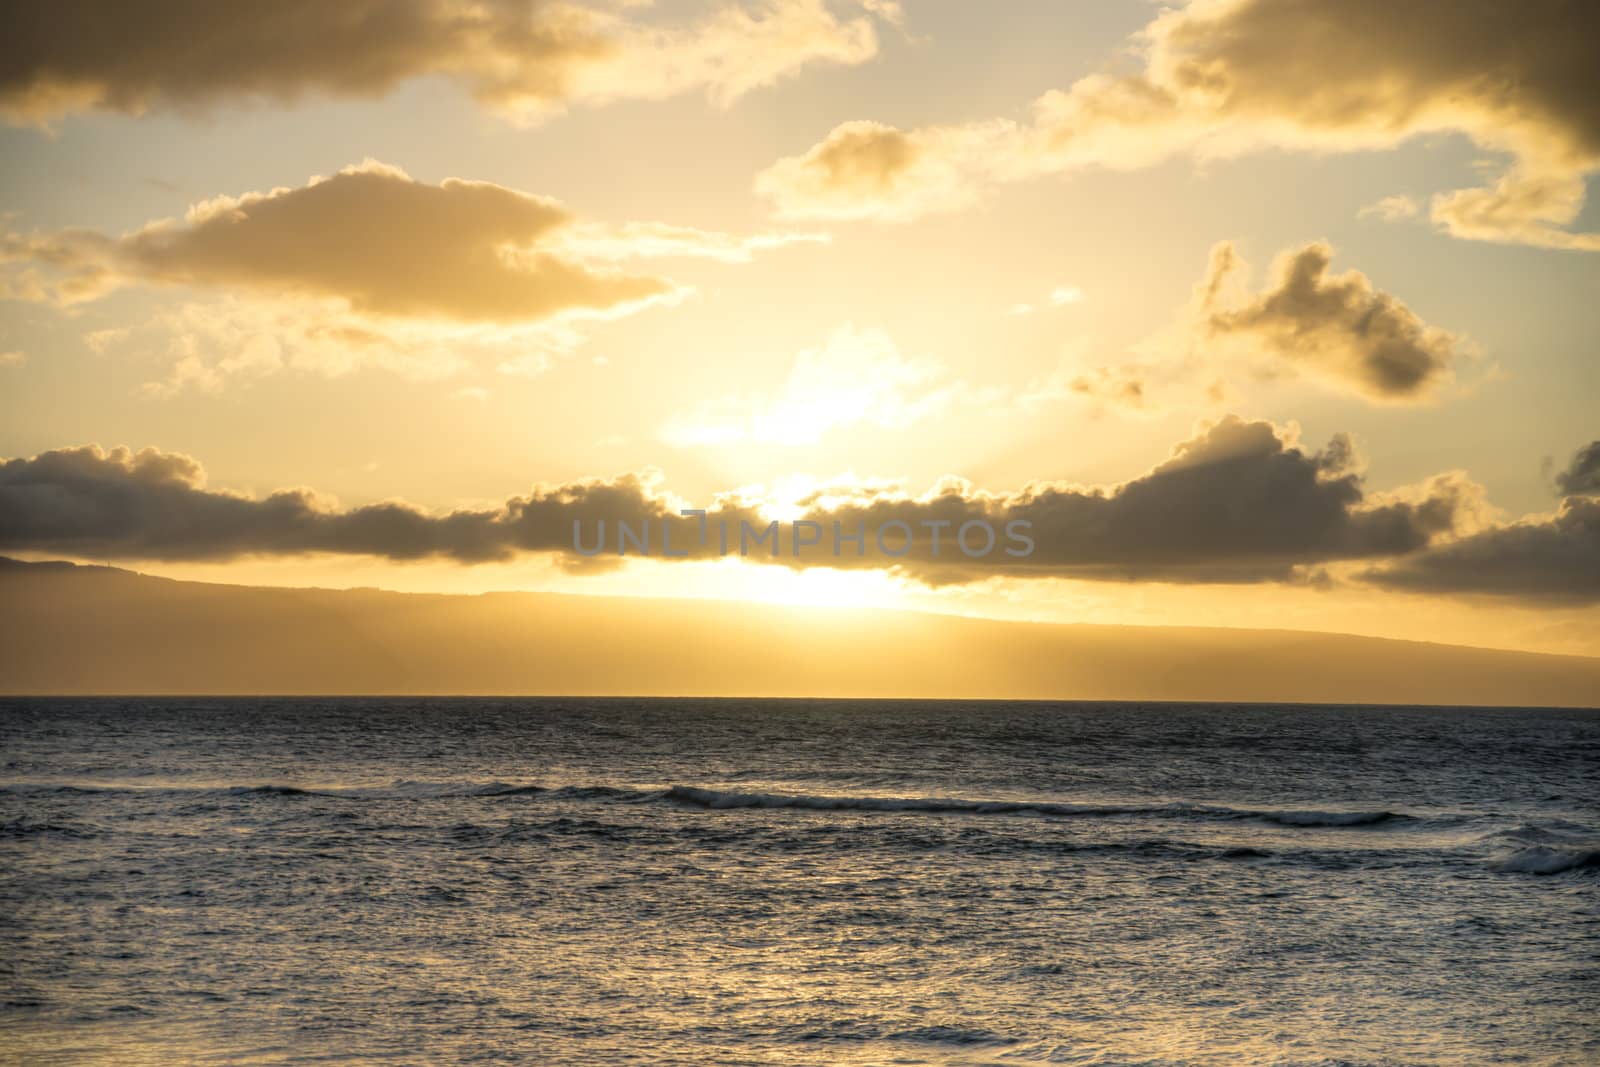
[120, 504]
[1236, 503]
[1539, 558]
[1582, 476]
[1356, 64]
[518, 56]
[1554, 559]
[1338, 328]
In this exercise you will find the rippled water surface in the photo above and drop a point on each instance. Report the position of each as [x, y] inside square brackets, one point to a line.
[796, 882]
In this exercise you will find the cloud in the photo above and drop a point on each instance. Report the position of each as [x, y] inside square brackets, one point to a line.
[645, 240]
[367, 268]
[1059, 297]
[1392, 209]
[520, 58]
[1125, 385]
[1581, 476]
[1221, 78]
[867, 170]
[214, 344]
[370, 236]
[1240, 502]
[855, 377]
[1542, 557]
[1554, 558]
[1340, 329]
[218, 344]
[1130, 386]
[155, 505]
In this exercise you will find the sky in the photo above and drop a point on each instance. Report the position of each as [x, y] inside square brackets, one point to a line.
[1260, 314]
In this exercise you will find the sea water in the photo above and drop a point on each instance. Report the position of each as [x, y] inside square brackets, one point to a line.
[585, 881]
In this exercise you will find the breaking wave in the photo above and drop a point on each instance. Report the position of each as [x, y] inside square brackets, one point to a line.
[717, 800]
[705, 799]
[1543, 859]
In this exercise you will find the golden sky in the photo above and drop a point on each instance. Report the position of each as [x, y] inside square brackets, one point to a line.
[1270, 314]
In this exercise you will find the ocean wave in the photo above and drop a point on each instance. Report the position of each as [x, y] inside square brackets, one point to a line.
[403, 789]
[23, 828]
[708, 799]
[1545, 859]
[1551, 848]
[426, 790]
[841, 1031]
[240, 790]
[1328, 818]
[719, 800]
[951, 1035]
[723, 800]
[1555, 832]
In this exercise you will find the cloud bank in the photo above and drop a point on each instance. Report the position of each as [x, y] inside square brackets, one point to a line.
[1239, 502]
[155, 505]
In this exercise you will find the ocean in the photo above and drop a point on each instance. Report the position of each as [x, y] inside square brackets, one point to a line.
[784, 882]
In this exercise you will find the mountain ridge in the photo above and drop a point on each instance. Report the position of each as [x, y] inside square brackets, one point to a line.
[91, 629]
